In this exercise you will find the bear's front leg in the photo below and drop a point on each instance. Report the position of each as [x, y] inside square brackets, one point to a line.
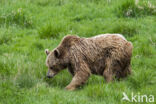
[108, 74]
[79, 79]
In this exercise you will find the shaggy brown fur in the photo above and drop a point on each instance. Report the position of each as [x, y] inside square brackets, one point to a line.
[108, 55]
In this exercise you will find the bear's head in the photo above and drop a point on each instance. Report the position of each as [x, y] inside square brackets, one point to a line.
[59, 58]
[56, 61]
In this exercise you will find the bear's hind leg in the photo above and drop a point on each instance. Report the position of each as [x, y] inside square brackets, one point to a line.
[108, 74]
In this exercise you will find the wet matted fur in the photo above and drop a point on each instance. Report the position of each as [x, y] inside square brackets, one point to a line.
[108, 55]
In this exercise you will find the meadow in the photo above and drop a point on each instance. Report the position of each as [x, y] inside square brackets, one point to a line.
[28, 27]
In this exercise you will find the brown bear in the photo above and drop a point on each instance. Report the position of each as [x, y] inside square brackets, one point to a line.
[108, 55]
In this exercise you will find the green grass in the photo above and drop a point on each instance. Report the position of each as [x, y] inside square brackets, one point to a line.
[27, 27]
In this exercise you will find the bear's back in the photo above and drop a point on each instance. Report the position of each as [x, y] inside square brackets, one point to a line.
[106, 40]
[98, 46]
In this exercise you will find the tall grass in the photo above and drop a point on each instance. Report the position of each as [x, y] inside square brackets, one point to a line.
[28, 27]
[130, 9]
[15, 17]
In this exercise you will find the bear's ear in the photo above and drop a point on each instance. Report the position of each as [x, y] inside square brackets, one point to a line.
[56, 53]
[47, 51]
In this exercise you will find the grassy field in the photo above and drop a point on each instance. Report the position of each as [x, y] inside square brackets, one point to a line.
[28, 27]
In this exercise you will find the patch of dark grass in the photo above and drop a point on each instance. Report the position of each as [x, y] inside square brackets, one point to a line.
[24, 79]
[50, 2]
[147, 8]
[6, 68]
[43, 3]
[52, 30]
[37, 45]
[124, 28]
[87, 14]
[79, 18]
[129, 9]
[9, 91]
[16, 17]
[139, 79]
[5, 38]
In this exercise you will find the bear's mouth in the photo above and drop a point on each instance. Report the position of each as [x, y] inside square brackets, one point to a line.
[50, 75]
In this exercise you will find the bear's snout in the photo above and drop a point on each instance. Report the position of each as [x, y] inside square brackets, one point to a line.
[48, 76]
[50, 73]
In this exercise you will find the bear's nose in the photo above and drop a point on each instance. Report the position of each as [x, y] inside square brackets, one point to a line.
[48, 76]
